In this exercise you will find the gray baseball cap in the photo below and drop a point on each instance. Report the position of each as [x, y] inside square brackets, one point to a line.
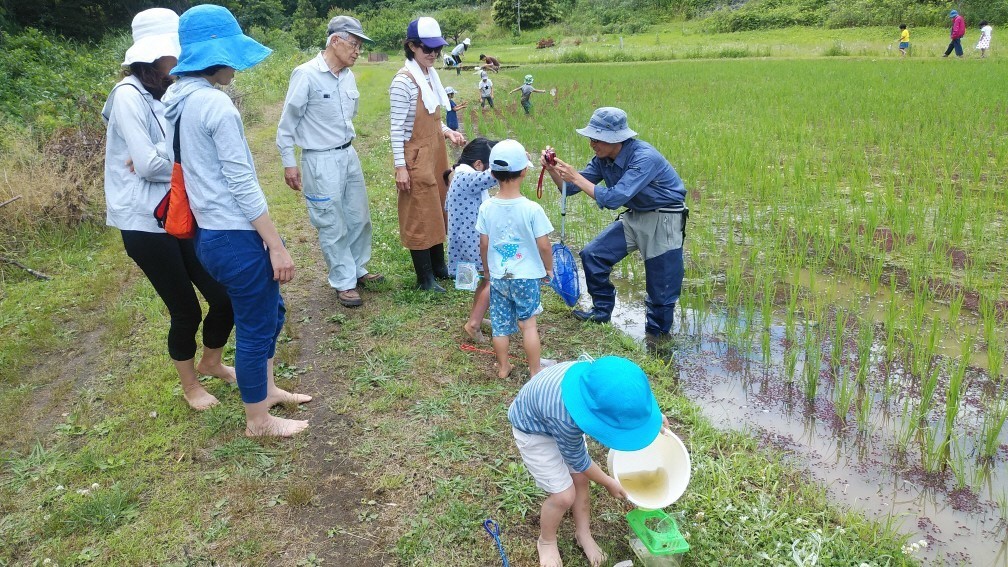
[347, 24]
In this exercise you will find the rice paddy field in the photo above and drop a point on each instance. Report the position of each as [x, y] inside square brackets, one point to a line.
[844, 292]
[838, 354]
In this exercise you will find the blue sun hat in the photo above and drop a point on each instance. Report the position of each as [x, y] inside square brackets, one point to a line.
[210, 35]
[608, 124]
[611, 400]
[953, 13]
[528, 79]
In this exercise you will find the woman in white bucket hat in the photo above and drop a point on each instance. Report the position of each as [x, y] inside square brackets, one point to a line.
[138, 170]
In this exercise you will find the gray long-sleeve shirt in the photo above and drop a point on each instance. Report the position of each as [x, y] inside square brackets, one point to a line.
[318, 110]
[135, 126]
[220, 176]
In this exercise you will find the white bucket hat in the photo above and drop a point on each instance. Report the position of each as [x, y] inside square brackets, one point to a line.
[155, 35]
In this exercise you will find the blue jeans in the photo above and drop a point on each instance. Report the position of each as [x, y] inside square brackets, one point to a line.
[239, 260]
[955, 44]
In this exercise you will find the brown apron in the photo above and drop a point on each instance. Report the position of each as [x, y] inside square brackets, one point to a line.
[422, 217]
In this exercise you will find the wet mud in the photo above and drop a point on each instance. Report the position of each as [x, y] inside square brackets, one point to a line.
[958, 510]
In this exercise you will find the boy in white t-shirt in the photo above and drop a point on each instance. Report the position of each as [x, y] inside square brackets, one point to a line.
[516, 253]
[485, 87]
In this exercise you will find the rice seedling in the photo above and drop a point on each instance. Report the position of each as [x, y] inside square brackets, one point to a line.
[813, 365]
[836, 347]
[953, 395]
[955, 306]
[865, 402]
[891, 317]
[995, 413]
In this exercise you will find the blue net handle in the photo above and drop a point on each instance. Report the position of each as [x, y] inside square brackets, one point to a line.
[493, 529]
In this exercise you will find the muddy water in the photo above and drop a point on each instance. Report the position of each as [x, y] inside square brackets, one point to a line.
[864, 471]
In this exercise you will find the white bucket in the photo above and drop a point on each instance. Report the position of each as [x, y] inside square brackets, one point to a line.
[466, 276]
[655, 476]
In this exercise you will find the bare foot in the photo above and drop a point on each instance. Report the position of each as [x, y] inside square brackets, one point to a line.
[274, 426]
[220, 370]
[474, 334]
[277, 396]
[549, 554]
[198, 398]
[504, 370]
[591, 549]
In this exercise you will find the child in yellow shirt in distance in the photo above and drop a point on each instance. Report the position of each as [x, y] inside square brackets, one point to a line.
[904, 42]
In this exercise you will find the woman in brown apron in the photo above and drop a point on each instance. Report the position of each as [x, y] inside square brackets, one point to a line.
[417, 97]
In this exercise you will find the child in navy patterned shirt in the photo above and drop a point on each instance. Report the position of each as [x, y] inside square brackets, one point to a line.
[469, 187]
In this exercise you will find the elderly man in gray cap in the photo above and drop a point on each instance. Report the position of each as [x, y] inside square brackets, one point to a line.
[317, 115]
[639, 178]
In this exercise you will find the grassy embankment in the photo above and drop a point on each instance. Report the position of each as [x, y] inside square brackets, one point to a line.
[414, 426]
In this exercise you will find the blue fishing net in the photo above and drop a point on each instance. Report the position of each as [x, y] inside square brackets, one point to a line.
[565, 275]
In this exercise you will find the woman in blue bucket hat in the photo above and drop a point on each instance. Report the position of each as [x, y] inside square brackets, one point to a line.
[236, 240]
[609, 399]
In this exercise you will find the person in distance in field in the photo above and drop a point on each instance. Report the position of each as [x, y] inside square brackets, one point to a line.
[627, 172]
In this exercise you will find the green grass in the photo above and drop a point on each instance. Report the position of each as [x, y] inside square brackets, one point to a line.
[780, 151]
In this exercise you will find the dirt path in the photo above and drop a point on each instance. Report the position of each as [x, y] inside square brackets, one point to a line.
[331, 526]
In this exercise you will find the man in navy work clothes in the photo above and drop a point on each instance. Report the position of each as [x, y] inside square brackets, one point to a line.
[639, 178]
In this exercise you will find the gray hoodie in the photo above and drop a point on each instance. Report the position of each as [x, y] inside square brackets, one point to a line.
[134, 132]
[220, 176]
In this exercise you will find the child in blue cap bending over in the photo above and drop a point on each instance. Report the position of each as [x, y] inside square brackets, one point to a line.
[517, 256]
[609, 399]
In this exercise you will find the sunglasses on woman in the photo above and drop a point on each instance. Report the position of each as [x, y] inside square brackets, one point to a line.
[429, 50]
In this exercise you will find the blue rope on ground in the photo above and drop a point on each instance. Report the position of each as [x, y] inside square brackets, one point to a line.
[493, 529]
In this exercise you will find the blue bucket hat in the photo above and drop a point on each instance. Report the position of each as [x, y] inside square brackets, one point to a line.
[953, 13]
[608, 124]
[210, 35]
[611, 400]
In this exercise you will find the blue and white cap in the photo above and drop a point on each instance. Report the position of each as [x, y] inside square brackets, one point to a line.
[508, 155]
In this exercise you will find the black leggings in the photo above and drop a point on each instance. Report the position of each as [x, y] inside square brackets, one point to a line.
[172, 268]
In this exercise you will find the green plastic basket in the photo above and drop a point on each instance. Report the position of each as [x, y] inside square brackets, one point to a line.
[665, 541]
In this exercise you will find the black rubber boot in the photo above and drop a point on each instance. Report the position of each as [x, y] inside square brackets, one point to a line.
[424, 272]
[438, 262]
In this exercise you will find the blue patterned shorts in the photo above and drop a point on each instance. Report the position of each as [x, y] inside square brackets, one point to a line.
[512, 300]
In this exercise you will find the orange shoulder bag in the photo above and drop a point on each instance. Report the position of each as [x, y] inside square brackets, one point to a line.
[173, 213]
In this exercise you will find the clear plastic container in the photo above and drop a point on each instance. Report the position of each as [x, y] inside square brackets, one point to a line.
[648, 559]
[655, 538]
[467, 276]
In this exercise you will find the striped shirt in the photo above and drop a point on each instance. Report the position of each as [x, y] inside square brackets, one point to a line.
[539, 410]
[403, 97]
